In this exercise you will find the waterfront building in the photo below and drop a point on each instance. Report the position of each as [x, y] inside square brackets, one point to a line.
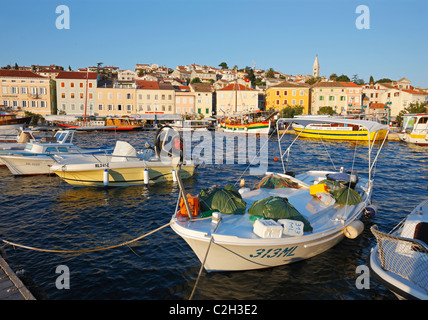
[204, 98]
[116, 100]
[76, 92]
[342, 97]
[27, 91]
[203, 75]
[126, 75]
[236, 98]
[155, 97]
[288, 94]
[395, 95]
[184, 101]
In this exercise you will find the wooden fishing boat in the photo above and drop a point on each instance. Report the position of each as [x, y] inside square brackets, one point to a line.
[109, 124]
[254, 122]
[10, 124]
[296, 219]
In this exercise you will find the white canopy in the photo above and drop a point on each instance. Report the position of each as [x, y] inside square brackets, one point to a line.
[371, 126]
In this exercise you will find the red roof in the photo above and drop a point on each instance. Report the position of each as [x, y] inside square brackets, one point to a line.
[76, 75]
[145, 84]
[236, 87]
[19, 74]
[349, 84]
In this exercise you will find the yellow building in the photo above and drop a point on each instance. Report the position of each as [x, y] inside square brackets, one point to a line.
[288, 94]
[27, 91]
[115, 101]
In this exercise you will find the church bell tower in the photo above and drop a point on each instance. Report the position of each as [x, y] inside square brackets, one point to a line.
[316, 68]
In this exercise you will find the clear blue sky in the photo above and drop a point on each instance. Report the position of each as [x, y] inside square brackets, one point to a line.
[282, 34]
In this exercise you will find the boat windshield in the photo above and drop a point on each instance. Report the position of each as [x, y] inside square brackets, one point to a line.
[408, 123]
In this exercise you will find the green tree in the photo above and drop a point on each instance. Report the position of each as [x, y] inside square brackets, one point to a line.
[333, 77]
[413, 108]
[326, 110]
[343, 77]
[384, 80]
[16, 66]
[270, 73]
[223, 65]
[313, 80]
[291, 111]
[371, 80]
[196, 80]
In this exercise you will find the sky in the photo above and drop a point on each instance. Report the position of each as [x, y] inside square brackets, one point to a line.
[285, 35]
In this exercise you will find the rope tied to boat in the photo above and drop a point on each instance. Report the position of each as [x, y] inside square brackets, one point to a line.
[89, 249]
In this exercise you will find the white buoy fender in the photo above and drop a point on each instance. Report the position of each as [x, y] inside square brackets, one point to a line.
[354, 229]
[105, 178]
[174, 177]
[146, 176]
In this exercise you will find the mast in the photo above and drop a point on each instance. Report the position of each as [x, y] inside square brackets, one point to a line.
[86, 94]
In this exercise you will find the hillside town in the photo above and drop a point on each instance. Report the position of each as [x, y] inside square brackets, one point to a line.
[196, 91]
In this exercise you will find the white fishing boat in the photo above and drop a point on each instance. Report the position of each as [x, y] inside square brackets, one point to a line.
[302, 216]
[124, 167]
[399, 261]
[11, 124]
[414, 129]
[38, 156]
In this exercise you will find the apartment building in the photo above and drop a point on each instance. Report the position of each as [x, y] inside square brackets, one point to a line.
[155, 97]
[236, 98]
[76, 93]
[288, 94]
[27, 91]
[204, 98]
[116, 100]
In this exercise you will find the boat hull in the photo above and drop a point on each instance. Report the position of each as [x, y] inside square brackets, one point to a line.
[124, 175]
[336, 134]
[255, 127]
[418, 139]
[12, 126]
[224, 255]
[19, 165]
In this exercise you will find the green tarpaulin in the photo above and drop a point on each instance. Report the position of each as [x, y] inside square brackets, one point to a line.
[226, 200]
[278, 208]
[274, 181]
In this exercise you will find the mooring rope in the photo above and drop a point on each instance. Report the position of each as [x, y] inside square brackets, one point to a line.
[90, 249]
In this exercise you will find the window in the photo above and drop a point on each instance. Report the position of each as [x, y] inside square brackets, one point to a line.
[156, 96]
[294, 92]
[81, 84]
[302, 93]
[73, 106]
[301, 102]
[100, 107]
[110, 107]
[285, 92]
[163, 108]
[14, 90]
[199, 110]
[169, 97]
[81, 95]
[82, 107]
[119, 107]
[23, 90]
[72, 95]
[129, 96]
[100, 95]
[293, 102]
[90, 85]
[148, 97]
[63, 106]
[34, 104]
[24, 104]
[90, 96]
[207, 110]
[51, 149]
[321, 98]
[277, 102]
[285, 102]
[331, 98]
[4, 90]
[62, 84]
[170, 108]
[277, 92]
[72, 84]
[129, 107]
[42, 90]
[163, 97]
[42, 104]
[109, 95]
[342, 98]
[119, 96]
[14, 103]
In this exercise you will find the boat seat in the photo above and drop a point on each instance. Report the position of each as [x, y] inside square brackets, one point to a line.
[122, 150]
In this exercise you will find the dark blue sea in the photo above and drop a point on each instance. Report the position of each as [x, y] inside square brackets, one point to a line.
[45, 212]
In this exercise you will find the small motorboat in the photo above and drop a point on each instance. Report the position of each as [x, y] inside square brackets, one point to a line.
[399, 261]
[285, 218]
[124, 167]
[38, 156]
[414, 129]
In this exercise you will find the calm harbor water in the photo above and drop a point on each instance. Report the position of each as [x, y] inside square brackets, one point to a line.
[45, 212]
